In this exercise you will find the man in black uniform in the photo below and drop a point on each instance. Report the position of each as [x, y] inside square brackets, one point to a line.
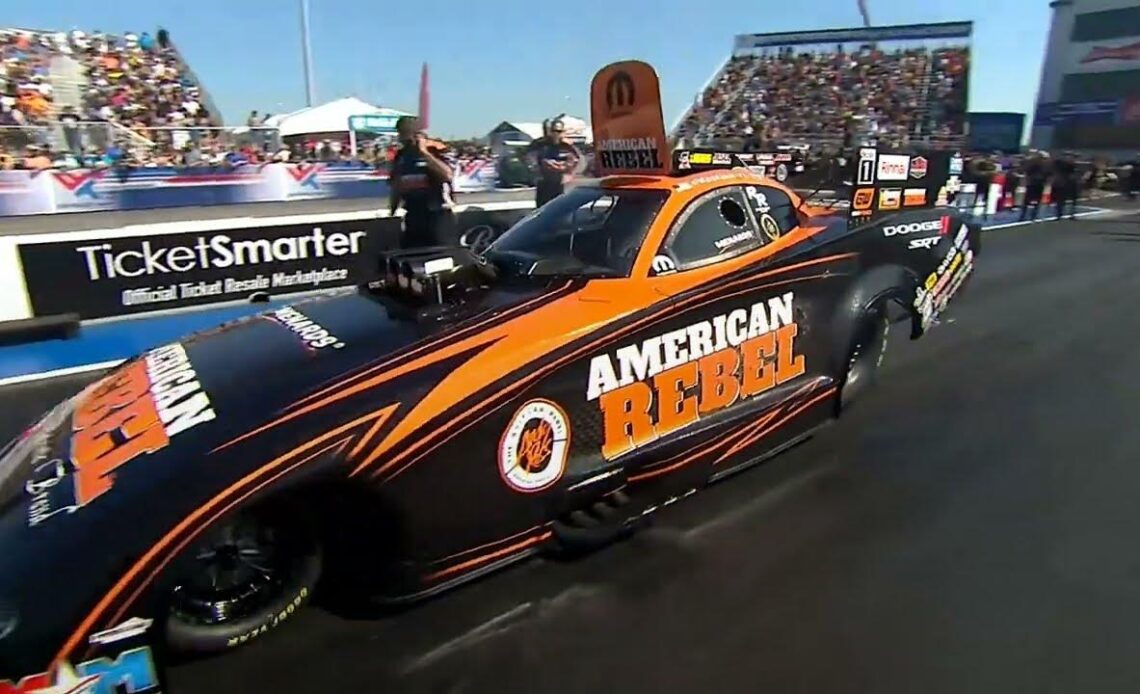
[1066, 184]
[556, 159]
[421, 182]
[1035, 174]
[1130, 178]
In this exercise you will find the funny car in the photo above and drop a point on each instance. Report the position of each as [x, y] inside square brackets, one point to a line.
[614, 351]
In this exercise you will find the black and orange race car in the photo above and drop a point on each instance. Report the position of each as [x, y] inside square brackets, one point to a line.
[617, 349]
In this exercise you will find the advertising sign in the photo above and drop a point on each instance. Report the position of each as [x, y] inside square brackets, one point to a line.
[103, 274]
[991, 132]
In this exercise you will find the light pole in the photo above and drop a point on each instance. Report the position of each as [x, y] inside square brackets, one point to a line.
[307, 50]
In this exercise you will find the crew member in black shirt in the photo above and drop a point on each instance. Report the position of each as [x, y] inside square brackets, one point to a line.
[556, 159]
[1130, 178]
[421, 182]
[1066, 185]
[1035, 175]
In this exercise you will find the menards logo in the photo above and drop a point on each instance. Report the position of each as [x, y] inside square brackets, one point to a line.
[649, 389]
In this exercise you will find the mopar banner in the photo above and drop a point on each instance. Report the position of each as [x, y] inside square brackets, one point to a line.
[98, 277]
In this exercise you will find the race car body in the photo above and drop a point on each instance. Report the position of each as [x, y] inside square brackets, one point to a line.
[614, 351]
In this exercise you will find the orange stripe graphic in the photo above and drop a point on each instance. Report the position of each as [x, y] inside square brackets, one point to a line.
[197, 521]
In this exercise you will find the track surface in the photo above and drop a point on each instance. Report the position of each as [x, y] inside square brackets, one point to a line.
[971, 527]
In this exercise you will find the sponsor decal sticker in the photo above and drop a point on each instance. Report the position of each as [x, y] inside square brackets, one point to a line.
[649, 389]
[865, 172]
[722, 158]
[890, 198]
[663, 264]
[132, 413]
[700, 158]
[534, 447]
[314, 336]
[133, 627]
[918, 167]
[630, 153]
[914, 197]
[928, 242]
[683, 161]
[863, 199]
[893, 167]
[770, 226]
[912, 228]
[956, 164]
[931, 280]
[759, 200]
[729, 241]
[130, 672]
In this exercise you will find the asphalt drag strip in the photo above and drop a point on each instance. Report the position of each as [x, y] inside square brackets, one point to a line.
[970, 526]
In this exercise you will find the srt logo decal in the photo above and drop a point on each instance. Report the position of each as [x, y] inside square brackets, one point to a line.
[534, 447]
[658, 386]
[620, 92]
[928, 242]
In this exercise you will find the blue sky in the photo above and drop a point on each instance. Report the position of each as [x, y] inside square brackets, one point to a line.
[523, 60]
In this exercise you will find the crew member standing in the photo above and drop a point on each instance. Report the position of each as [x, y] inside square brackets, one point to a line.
[557, 159]
[1066, 185]
[421, 182]
[1130, 178]
[1035, 175]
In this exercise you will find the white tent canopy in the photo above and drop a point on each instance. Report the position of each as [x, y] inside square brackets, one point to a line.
[331, 117]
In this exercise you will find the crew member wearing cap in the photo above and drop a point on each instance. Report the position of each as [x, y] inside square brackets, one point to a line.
[557, 159]
[421, 182]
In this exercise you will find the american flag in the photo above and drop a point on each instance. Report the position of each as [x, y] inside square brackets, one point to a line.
[863, 11]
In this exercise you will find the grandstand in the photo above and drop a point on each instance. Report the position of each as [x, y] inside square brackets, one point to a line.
[80, 92]
[899, 85]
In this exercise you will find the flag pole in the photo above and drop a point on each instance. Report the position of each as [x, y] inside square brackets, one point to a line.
[307, 53]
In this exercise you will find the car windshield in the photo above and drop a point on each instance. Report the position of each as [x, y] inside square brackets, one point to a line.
[586, 232]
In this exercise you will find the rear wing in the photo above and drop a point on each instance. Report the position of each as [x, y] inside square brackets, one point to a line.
[888, 181]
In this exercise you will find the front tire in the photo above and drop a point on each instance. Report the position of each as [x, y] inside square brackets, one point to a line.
[244, 579]
[865, 356]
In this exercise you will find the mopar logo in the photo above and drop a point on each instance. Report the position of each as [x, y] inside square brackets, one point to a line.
[912, 228]
[620, 92]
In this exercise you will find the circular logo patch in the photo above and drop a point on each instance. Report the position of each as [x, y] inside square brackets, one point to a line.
[534, 447]
[770, 226]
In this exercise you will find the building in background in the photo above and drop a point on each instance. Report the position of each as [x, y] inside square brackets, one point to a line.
[990, 131]
[1089, 96]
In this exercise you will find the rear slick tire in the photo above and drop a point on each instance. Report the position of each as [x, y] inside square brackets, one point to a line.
[868, 347]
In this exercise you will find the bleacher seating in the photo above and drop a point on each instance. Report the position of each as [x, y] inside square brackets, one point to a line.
[134, 85]
[800, 96]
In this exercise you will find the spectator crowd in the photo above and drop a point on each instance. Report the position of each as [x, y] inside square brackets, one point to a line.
[111, 86]
[819, 97]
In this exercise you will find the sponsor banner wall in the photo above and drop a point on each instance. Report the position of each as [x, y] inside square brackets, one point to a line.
[1103, 56]
[115, 272]
[83, 190]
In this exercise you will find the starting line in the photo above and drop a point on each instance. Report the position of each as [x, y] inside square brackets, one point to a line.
[107, 343]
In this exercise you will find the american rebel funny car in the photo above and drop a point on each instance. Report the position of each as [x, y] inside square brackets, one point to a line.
[617, 349]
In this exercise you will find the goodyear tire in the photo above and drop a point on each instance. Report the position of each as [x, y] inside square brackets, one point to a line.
[865, 355]
[244, 579]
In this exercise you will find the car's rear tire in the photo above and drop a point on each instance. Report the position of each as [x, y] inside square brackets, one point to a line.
[243, 579]
[865, 355]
